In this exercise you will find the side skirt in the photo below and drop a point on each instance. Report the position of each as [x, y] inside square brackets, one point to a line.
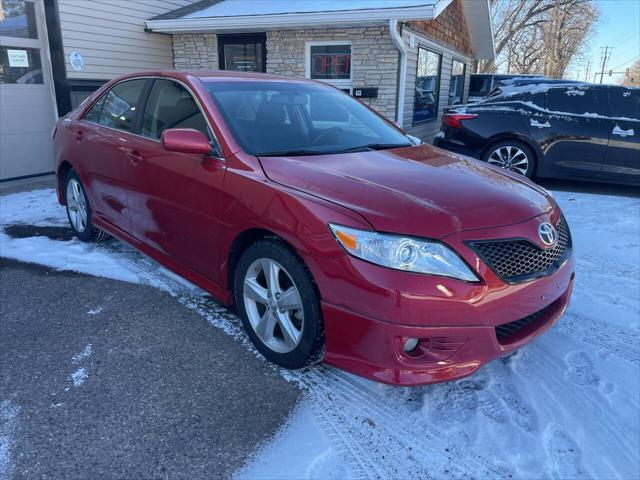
[212, 288]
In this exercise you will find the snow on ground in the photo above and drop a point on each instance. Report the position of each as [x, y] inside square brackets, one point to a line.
[565, 406]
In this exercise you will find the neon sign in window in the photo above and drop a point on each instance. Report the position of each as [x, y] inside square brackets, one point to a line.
[331, 62]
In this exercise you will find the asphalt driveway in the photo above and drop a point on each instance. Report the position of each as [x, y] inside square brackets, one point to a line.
[105, 379]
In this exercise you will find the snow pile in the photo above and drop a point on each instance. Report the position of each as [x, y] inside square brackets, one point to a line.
[565, 406]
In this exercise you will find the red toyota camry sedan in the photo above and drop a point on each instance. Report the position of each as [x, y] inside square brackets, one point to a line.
[337, 237]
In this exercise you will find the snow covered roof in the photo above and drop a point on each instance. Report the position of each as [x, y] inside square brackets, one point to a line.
[227, 16]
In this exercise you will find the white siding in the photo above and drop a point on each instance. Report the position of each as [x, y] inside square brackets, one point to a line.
[110, 35]
[426, 131]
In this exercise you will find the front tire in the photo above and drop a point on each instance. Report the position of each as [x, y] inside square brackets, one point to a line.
[79, 210]
[511, 155]
[279, 305]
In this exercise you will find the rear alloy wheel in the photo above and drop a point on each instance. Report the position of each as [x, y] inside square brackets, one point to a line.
[278, 304]
[78, 210]
[512, 155]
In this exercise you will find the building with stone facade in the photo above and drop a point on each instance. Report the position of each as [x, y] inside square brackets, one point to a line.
[408, 59]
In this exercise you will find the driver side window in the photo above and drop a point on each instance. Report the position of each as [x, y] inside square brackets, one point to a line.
[170, 105]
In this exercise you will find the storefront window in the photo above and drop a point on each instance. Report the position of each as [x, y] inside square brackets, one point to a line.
[330, 62]
[242, 53]
[456, 87]
[18, 19]
[20, 65]
[427, 86]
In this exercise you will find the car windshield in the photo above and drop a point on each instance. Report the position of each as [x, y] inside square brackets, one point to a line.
[291, 118]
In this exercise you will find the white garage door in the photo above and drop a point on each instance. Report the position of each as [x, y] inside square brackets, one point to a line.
[27, 111]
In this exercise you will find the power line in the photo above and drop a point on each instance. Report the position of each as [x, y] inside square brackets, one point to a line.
[624, 63]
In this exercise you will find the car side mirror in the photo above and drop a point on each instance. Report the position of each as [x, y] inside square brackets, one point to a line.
[185, 140]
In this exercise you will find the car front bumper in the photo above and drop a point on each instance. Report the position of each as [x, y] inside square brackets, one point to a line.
[370, 311]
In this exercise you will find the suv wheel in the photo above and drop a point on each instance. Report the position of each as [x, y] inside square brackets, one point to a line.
[511, 155]
[79, 211]
[279, 305]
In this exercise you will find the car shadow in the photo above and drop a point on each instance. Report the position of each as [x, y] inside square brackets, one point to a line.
[589, 187]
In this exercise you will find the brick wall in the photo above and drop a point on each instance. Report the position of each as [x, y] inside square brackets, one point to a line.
[195, 50]
[374, 59]
[450, 27]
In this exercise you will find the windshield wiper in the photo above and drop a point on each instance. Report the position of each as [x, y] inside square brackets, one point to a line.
[375, 146]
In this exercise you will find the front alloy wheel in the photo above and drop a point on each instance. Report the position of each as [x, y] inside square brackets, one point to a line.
[273, 305]
[279, 304]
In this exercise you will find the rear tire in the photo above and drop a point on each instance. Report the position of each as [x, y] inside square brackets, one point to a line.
[79, 210]
[279, 305]
[512, 155]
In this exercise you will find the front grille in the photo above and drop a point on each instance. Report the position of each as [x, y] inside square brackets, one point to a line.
[507, 329]
[519, 260]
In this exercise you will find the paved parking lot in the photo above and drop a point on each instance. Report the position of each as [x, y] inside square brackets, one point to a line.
[104, 379]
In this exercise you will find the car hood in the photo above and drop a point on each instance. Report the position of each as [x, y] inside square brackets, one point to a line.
[420, 190]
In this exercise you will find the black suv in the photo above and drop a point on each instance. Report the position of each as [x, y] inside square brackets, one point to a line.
[559, 130]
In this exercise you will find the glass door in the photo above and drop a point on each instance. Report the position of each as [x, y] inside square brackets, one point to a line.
[243, 53]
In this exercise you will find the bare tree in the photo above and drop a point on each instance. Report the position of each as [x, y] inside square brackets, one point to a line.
[538, 36]
[565, 32]
[633, 79]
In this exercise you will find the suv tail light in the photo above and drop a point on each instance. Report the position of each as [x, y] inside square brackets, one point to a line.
[454, 120]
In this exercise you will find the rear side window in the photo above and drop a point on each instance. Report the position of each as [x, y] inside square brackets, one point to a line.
[625, 103]
[576, 101]
[119, 105]
[170, 105]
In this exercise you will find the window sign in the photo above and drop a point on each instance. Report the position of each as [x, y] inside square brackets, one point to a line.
[330, 62]
[18, 58]
[427, 90]
[20, 65]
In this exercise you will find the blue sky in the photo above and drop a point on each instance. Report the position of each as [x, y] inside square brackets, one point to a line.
[618, 27]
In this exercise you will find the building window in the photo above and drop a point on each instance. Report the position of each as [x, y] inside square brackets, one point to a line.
[243, 53]
[330, 62]
[425, 106]
[18, 19]
[20, 65]
[456, 86]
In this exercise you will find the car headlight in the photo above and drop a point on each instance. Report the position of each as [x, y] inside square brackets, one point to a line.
[403, 253]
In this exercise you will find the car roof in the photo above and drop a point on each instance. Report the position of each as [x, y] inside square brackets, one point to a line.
[219, 75]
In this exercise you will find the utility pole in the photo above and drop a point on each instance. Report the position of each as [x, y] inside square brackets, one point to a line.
[586, 74]
[605, 58]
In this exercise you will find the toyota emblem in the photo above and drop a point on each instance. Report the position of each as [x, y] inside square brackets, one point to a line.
[548, 234]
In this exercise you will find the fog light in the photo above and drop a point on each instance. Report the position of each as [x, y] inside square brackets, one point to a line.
[410, 344]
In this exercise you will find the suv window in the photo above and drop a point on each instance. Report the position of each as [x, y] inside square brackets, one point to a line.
[170, 105]
[625, 102]
[575, 100]
[119, 106]
[479, 86]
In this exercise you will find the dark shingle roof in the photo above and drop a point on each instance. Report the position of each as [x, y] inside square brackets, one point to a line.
[182, 11]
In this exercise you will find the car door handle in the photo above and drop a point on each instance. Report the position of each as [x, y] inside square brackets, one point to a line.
[623, 133]
[78, 134]
[134, 156]
[535, 123]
